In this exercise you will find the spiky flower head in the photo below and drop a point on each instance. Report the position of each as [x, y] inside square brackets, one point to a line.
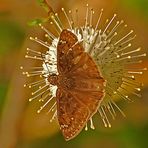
[112, 53]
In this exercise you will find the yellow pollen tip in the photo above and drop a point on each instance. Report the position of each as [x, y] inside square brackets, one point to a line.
[109, 126]
[38, 111]
[31, 38]
[144, 54]
[129, 44]
[40, 24]
[102, 10]
[115, 33]
[46, 35]
[131, 31]
[115, 15]
[21, 67]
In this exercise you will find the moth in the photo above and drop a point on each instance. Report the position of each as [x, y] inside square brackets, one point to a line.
[80, 85]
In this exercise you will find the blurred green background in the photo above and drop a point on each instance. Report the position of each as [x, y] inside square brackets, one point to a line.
[20, 126]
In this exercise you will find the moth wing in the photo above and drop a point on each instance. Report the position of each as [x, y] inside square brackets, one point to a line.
[72, 114]
[88, 83]
[78, 105]
[68, 48]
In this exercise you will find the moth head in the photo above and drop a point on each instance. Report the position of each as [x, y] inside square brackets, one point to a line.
[53, 79]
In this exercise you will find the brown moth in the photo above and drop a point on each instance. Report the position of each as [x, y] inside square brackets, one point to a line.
[80, 85]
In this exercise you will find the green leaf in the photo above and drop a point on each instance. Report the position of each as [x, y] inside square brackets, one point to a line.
[35, 22]
[43, 3]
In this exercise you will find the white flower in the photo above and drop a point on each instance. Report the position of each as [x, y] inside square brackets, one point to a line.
[112, 55]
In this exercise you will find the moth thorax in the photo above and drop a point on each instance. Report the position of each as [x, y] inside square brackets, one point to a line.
[66, 82]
